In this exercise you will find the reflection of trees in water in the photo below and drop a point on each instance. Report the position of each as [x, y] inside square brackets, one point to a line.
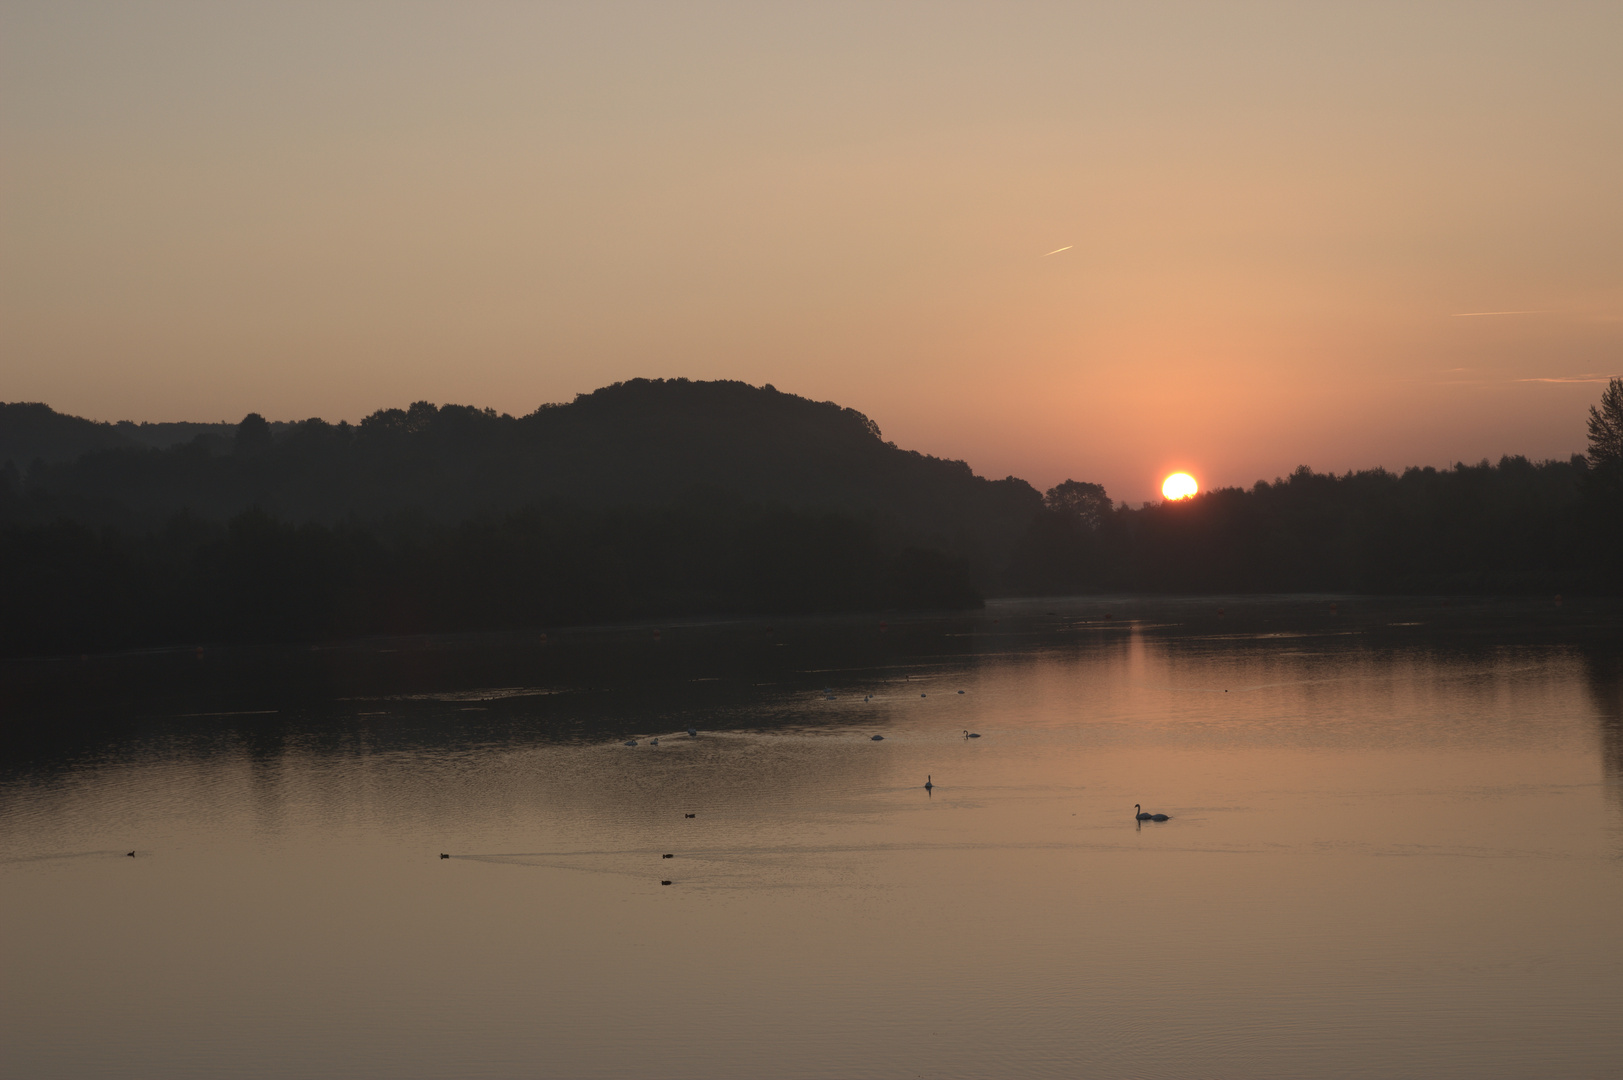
[1604, 676]
[464, 694]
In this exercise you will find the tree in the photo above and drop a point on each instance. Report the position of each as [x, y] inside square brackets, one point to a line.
[1606, 427]
[253, 434]
[1084, 502]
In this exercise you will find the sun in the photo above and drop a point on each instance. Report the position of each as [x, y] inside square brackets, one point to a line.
[1180, 485]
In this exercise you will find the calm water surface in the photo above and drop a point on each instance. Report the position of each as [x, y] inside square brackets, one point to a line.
[1396, 849]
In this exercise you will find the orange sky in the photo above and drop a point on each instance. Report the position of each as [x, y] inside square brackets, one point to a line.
[1277, 215]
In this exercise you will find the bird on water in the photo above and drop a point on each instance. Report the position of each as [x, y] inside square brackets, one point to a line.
[971, 734]
[878, 738]
[630, 742]
[693, 733]
[927, 784]
[1138, 812]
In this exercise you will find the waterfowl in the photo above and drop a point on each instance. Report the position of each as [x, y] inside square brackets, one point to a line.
[667, 856]
[443, 855]
[690, 815]
[131, 854]
[630, 742]
[927, 784]
[878, 738]
[653, 742]
[960, 691]
[693, 733]
[664, 883]
[971, 734]
[1142, 816]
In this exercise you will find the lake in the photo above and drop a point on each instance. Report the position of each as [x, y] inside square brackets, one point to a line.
[1395, 848]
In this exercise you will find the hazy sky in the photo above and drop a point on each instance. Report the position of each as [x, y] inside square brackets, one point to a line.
[1276, 215]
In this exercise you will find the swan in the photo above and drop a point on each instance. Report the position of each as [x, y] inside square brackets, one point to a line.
[630, 742]
[690, 815]
[1142, 816]
[693, 733]
[443, 855]
[653, 742]
[971, 734]
[927, 784]
[878, 738]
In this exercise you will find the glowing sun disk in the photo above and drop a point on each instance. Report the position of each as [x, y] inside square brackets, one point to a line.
[1180, 485]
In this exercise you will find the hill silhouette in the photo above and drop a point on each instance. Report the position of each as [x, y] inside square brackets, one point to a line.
[640, 443]
[656, 498]
[32, 431]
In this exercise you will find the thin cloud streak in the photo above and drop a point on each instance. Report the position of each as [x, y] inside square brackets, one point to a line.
[1471, 314]
[1571, 379]
[1056, 251]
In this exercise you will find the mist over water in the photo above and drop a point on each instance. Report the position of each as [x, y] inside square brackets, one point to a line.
[1395, 848]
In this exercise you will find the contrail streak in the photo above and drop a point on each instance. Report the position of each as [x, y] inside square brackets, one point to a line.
[1572, 379]
[1467, 314]
[1056, 251]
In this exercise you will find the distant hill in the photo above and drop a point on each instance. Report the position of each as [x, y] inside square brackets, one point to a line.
[31, 431]
[658, 497]
[640, 443]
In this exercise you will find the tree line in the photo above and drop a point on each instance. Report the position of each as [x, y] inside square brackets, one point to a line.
[1517, 526]
[71, 587]
[660, 498]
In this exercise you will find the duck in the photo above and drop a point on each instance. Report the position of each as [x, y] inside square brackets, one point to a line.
[1142, 816]
[971, 734]
[443, 855]
[690, 815]
[630, 742]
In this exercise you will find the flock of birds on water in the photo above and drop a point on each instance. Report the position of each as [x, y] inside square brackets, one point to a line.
[929, 780]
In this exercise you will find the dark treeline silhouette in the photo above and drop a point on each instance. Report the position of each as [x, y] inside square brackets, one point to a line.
[664, 497]
[639, 443]
[1517, 526]
[30, 431]
[74, 587]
